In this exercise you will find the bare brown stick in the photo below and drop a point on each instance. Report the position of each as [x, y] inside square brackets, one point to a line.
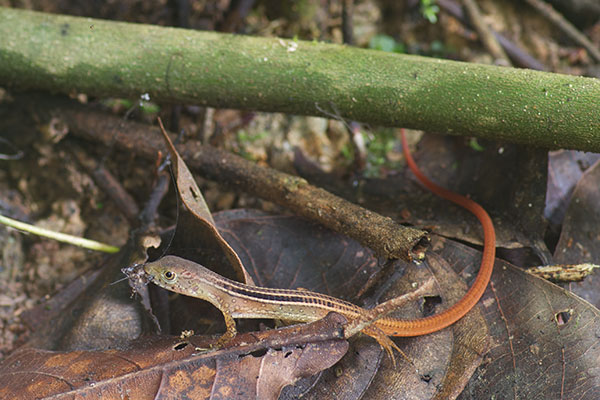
[109, 184]
[485, 34]
[383, 235]
[347, 23]
[518, 55]
[557, 19]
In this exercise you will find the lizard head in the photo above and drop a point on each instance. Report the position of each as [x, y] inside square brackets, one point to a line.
[175, 274]
[165, 272]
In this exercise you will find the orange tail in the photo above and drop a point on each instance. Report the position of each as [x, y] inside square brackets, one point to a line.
[423, 326]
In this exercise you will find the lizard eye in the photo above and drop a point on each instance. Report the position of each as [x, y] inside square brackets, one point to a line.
[169, 276]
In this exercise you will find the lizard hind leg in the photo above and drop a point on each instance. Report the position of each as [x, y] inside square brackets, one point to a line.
[386, 343]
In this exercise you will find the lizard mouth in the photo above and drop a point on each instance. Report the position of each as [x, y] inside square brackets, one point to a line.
[137, 275]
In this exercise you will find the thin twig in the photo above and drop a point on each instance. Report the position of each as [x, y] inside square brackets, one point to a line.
[17, 154]
[347, 23]
[568, 28]
[109, 184]
[519, 56]
[61, 237]
[485, 34]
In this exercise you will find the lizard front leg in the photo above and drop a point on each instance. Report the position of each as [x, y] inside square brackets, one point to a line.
[231, 329]
[230, 325]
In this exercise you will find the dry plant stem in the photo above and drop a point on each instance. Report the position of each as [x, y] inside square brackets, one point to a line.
[105, 58]
[485, 34]
[208, 125]
[347, 23]
[387, 238]
[149, 214]
[557, 19]
[563, 272]
[61, 237]
[109, 185]
[235, 16]
[519, 56]
[115, 190]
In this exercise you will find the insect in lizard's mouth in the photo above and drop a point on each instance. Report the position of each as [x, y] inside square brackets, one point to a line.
[137, 274]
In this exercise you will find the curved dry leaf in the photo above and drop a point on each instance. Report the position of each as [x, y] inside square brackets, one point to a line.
[565, 168]
[292, 252]
[580, 237]
[348, 379]
[202, 223]
[544, 339]
[168, 367]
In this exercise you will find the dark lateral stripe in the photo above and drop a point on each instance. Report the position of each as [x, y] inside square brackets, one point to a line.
[269, 296]
[285, 295]
[277, 297]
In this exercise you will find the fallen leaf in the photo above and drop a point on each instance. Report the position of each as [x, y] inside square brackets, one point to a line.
[168, 367]
[533, 354]
[580, 236]
[213, 247]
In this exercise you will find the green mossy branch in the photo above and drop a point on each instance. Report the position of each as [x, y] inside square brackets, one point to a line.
[104, 58]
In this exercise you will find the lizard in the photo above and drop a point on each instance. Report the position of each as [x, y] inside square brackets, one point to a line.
[237, 300]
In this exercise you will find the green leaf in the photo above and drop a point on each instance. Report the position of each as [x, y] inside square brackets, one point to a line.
[475, 145]
[386, 43]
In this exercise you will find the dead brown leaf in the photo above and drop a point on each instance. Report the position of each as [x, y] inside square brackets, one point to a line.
[580, 237]
[544, 340]
[167, 367]
[205, 230]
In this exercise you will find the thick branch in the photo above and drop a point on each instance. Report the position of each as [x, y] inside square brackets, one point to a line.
[70, 54]
[386, 237]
